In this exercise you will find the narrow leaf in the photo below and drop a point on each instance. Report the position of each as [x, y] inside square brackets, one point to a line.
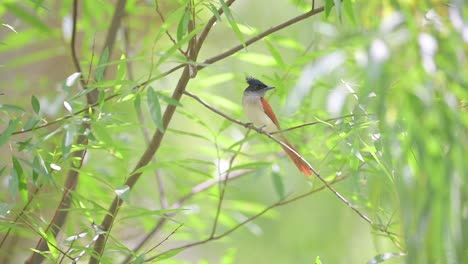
[348, 8]
[278, 184]
[328, 7]
[22, 184]
[35, 104]
[26, 17]
[6, 134]
[338, 9]
[155, 108]
[232, 22]
[183, 25]
[99, 73]
[72, 79]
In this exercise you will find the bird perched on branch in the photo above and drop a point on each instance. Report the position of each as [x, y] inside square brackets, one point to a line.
[260, 113]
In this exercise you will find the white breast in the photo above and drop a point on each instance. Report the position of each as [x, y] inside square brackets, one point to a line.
[254, 111]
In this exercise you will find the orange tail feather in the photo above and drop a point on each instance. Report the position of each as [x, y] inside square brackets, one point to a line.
[301, 165]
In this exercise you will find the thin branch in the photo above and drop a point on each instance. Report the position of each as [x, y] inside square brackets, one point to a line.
[250, 219]
[211, 60]
[156, 140]
[61, 211]
[161, 16]
[223, 187]
[312, 123]
[259, 37]
[165, 239]
[75, 60]
[144, 130]
[341, 197]
[195, 190]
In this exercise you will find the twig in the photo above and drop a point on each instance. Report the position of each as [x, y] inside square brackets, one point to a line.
[161, 16]
[195, 190]
[202, 65]
[250, 219]
[341, 197]
[165, 239]
[312, 123]
[61, 211]
[145, 158]
[223, 188]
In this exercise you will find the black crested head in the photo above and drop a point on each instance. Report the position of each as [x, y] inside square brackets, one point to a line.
[256, 85]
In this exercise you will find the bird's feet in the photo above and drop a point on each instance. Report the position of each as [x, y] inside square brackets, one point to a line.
[258, 129]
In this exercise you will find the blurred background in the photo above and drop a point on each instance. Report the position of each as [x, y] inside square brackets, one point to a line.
[385, 82]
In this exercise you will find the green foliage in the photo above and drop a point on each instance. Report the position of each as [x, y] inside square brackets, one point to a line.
[376, 94]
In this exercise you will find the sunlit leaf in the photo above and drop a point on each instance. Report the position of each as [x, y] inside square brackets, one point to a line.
[229, 256]
[72, 79]
[257, 59]
[348, 8]
[317, 260]
[20, 179]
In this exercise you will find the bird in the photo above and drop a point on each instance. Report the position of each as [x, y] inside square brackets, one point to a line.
[261, 115]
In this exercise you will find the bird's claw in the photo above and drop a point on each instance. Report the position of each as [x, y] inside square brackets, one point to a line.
[258, 129]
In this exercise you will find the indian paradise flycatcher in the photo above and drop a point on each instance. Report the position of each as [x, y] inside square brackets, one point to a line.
[260, 113]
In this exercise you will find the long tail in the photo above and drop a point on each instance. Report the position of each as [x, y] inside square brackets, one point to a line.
[301, 165]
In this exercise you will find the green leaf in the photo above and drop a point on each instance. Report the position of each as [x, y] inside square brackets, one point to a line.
[169, 254]
[257, 59]
[137, 212]
[102, 133]
[140, 259]
[183, 24]
[278, 184]
[6, 134]
[11, 108]
[214, 11]
[68, 137]
[317, 260]
[169, 100]
[348, 8]
[99, 73]
[338, 9]
[232, 22]
[5, 209]
[26, 17]
[35, 104]
[21, 179]
[276, 54]
[121, 71]
[155, 108]
[229, 257]
[328, 7]
[251, 165]
[31, 123]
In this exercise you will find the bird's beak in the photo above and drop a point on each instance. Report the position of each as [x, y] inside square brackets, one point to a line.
[269, 88]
